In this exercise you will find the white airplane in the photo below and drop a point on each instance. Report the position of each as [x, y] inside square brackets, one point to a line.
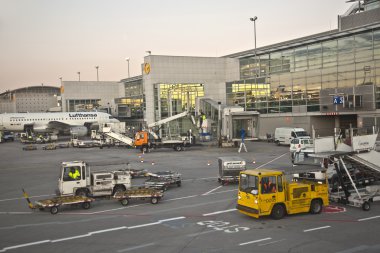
[76, 122]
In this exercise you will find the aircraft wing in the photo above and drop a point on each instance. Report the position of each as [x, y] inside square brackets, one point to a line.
[58, 125]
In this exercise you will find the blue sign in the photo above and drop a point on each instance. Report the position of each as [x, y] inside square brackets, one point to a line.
[338, 100]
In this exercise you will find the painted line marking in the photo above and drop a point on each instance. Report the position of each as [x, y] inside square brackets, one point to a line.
[219, 212]
[144, 225]
[119, 208]
[369, 218]
[313, 229]
[171, 219]
[187, 197]
[211, 190]
[260, 240]
[24, 245]
[71, 238]
[272, 160]
[93, 233]
[137, 247]
[107, 230]
[263, 244]
[222, 192]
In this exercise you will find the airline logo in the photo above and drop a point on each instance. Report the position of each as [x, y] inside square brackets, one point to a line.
[82, 115]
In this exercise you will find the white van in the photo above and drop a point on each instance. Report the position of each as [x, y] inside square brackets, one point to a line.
[284, 135]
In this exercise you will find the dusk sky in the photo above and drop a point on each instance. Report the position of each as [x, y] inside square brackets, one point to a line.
[43, 40]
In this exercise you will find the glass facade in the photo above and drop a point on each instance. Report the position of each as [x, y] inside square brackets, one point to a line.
[291, 80]
[172, 99]
[132, 104]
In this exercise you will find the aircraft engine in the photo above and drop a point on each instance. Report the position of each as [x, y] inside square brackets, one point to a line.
[79, 130]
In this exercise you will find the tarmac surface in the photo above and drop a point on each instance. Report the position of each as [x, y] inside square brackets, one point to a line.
[199, 216]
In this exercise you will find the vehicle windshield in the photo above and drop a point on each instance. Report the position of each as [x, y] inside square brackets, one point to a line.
[302, 133]
[248, 183]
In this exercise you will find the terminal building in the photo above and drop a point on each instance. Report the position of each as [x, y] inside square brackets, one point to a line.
[326, 80]
[30, 99]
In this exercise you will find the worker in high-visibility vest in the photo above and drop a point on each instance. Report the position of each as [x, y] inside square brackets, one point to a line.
[74, 174]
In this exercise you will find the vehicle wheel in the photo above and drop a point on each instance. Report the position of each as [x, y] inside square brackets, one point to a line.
[81, 192]
[54, 210]
[86, 205]
[164, 188]
[118, 189]
[124, 202]
[145, 149]
[316, 206]
[154, 200]
[179, 183]
[278, 212]
[178, 148]
[366, 206]
[277, 143]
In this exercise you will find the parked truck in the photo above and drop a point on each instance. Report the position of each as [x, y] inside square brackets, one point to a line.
[146, 140]
[77, 179]
[268, 192]
[284, 135]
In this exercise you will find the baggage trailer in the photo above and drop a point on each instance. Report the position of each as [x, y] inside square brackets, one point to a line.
[163, 180]
[229, 169]
[139, 193]
[55, 203]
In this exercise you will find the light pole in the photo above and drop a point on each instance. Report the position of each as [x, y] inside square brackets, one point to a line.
[219, 128]
[127, 59]
[79, 75]
[254, 27]
[97, 73]
[61, 80]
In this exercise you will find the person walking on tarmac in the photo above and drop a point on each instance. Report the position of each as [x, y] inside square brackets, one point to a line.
[242, 144]
[74, 174]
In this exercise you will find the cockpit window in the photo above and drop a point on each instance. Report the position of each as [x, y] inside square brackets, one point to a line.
[111, 117]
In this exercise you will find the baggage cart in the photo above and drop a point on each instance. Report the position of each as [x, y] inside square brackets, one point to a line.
[163, 180]
[138, 193]
[55, 203]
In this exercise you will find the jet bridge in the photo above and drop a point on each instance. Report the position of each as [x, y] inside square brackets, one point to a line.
[227, 121]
